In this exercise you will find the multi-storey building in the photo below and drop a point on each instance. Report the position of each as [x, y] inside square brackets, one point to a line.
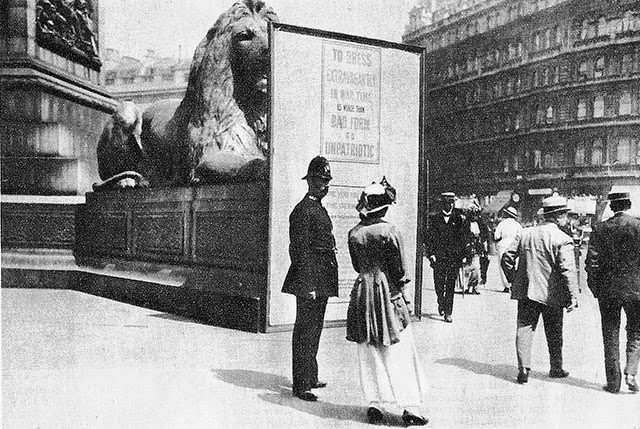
[526, 97]
[144, 81]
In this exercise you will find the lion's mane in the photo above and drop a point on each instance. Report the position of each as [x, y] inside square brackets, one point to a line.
[221, 121]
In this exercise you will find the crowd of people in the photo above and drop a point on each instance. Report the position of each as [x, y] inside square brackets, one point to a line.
[537, 265]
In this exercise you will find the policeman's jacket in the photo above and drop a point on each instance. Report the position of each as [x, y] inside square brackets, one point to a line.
[312, 250]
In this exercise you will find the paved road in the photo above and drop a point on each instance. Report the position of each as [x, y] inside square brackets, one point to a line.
[72, 360]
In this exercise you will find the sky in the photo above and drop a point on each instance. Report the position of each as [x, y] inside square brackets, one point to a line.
[175, 27]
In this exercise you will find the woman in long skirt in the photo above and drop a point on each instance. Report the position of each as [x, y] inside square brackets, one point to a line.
[378, 318]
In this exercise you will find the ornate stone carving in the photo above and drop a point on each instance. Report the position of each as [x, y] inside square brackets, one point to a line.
[67, 28]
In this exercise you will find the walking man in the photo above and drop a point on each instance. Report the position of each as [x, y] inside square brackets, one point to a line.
[613, 275]
[312, 276]
[544, 283]
[445, 245]
[504, 235]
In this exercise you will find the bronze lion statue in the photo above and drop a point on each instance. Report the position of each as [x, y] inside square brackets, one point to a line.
[218, 132]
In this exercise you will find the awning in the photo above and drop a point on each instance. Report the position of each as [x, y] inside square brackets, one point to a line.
[583, 205]
[465, 203]
[634, 191]
[497, 202]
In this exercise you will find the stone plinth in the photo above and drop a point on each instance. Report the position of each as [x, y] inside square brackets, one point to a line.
[52, 112]
[197, 252]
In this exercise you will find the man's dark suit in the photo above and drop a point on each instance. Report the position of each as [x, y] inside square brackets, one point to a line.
[447, 242]
[313, 269]
[613, 267]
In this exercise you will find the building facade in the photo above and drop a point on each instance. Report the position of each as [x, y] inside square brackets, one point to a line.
[528, 97]
[147, 80]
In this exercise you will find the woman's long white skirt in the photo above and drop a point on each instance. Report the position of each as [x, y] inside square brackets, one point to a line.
[393, 375]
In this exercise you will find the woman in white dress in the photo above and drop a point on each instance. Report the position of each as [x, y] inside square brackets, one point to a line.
[378, 318]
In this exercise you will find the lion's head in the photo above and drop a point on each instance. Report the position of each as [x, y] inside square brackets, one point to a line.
[225, 106]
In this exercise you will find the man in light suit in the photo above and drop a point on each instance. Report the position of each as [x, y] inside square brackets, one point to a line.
[613, 267]
[312, 277]
[544, 283]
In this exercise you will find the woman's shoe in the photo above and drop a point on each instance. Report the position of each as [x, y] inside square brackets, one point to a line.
[411, 419]
[631, 383]
[374, 415]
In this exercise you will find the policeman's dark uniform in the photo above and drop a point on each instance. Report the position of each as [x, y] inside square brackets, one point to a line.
[313, 268]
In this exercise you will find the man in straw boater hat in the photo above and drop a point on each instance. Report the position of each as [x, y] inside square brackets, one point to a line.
[613, 275]
[445, 245]
[544, 283]
[312, 276]
[504, 235]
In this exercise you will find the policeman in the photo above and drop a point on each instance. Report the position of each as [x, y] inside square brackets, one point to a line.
[312, 276]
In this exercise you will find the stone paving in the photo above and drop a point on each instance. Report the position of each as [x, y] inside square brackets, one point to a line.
[72, 360]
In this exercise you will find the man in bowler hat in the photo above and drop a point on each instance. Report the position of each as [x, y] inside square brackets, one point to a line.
[312, 276]
[613, 268]
[445, 246]
[545, 282]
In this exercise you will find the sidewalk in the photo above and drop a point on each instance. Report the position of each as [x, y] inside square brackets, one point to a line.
[72, 360]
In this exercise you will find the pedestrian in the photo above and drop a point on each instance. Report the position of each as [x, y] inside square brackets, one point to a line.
[544, 283]
[485, 237]
[476, 249]
[445, 244]
[312, 276]
[379, 313]
[504, 235]
[613, 275]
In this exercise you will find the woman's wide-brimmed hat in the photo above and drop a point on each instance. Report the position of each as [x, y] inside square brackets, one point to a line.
[376, 197]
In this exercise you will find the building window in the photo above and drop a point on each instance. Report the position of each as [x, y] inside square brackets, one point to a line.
[517, 165]
[518, 84]
[598, 106]
[583, 71]
[551, 160]
[505, 164]
[510, 84]
[597, 152]
[580, 155]
[549, 115]
[536, 78]
[546, 79]
[624, 108]
[599, 68]
[536, 41]
[537, 159]
[541, 112]
[622, 151]
[627, 64]
[517, 123]
[602, 27]
[582, 109]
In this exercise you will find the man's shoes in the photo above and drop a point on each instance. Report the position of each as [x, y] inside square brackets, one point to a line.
[611, 389]
[475, 292]
[631, 383]
[440, 311]
[447, 318]
[411, 419]
[305, 395]
[374, 415]
[523, 375]
[558, 373]
[319, 385]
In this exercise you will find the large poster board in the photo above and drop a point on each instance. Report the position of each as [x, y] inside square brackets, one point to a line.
[356, 102]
